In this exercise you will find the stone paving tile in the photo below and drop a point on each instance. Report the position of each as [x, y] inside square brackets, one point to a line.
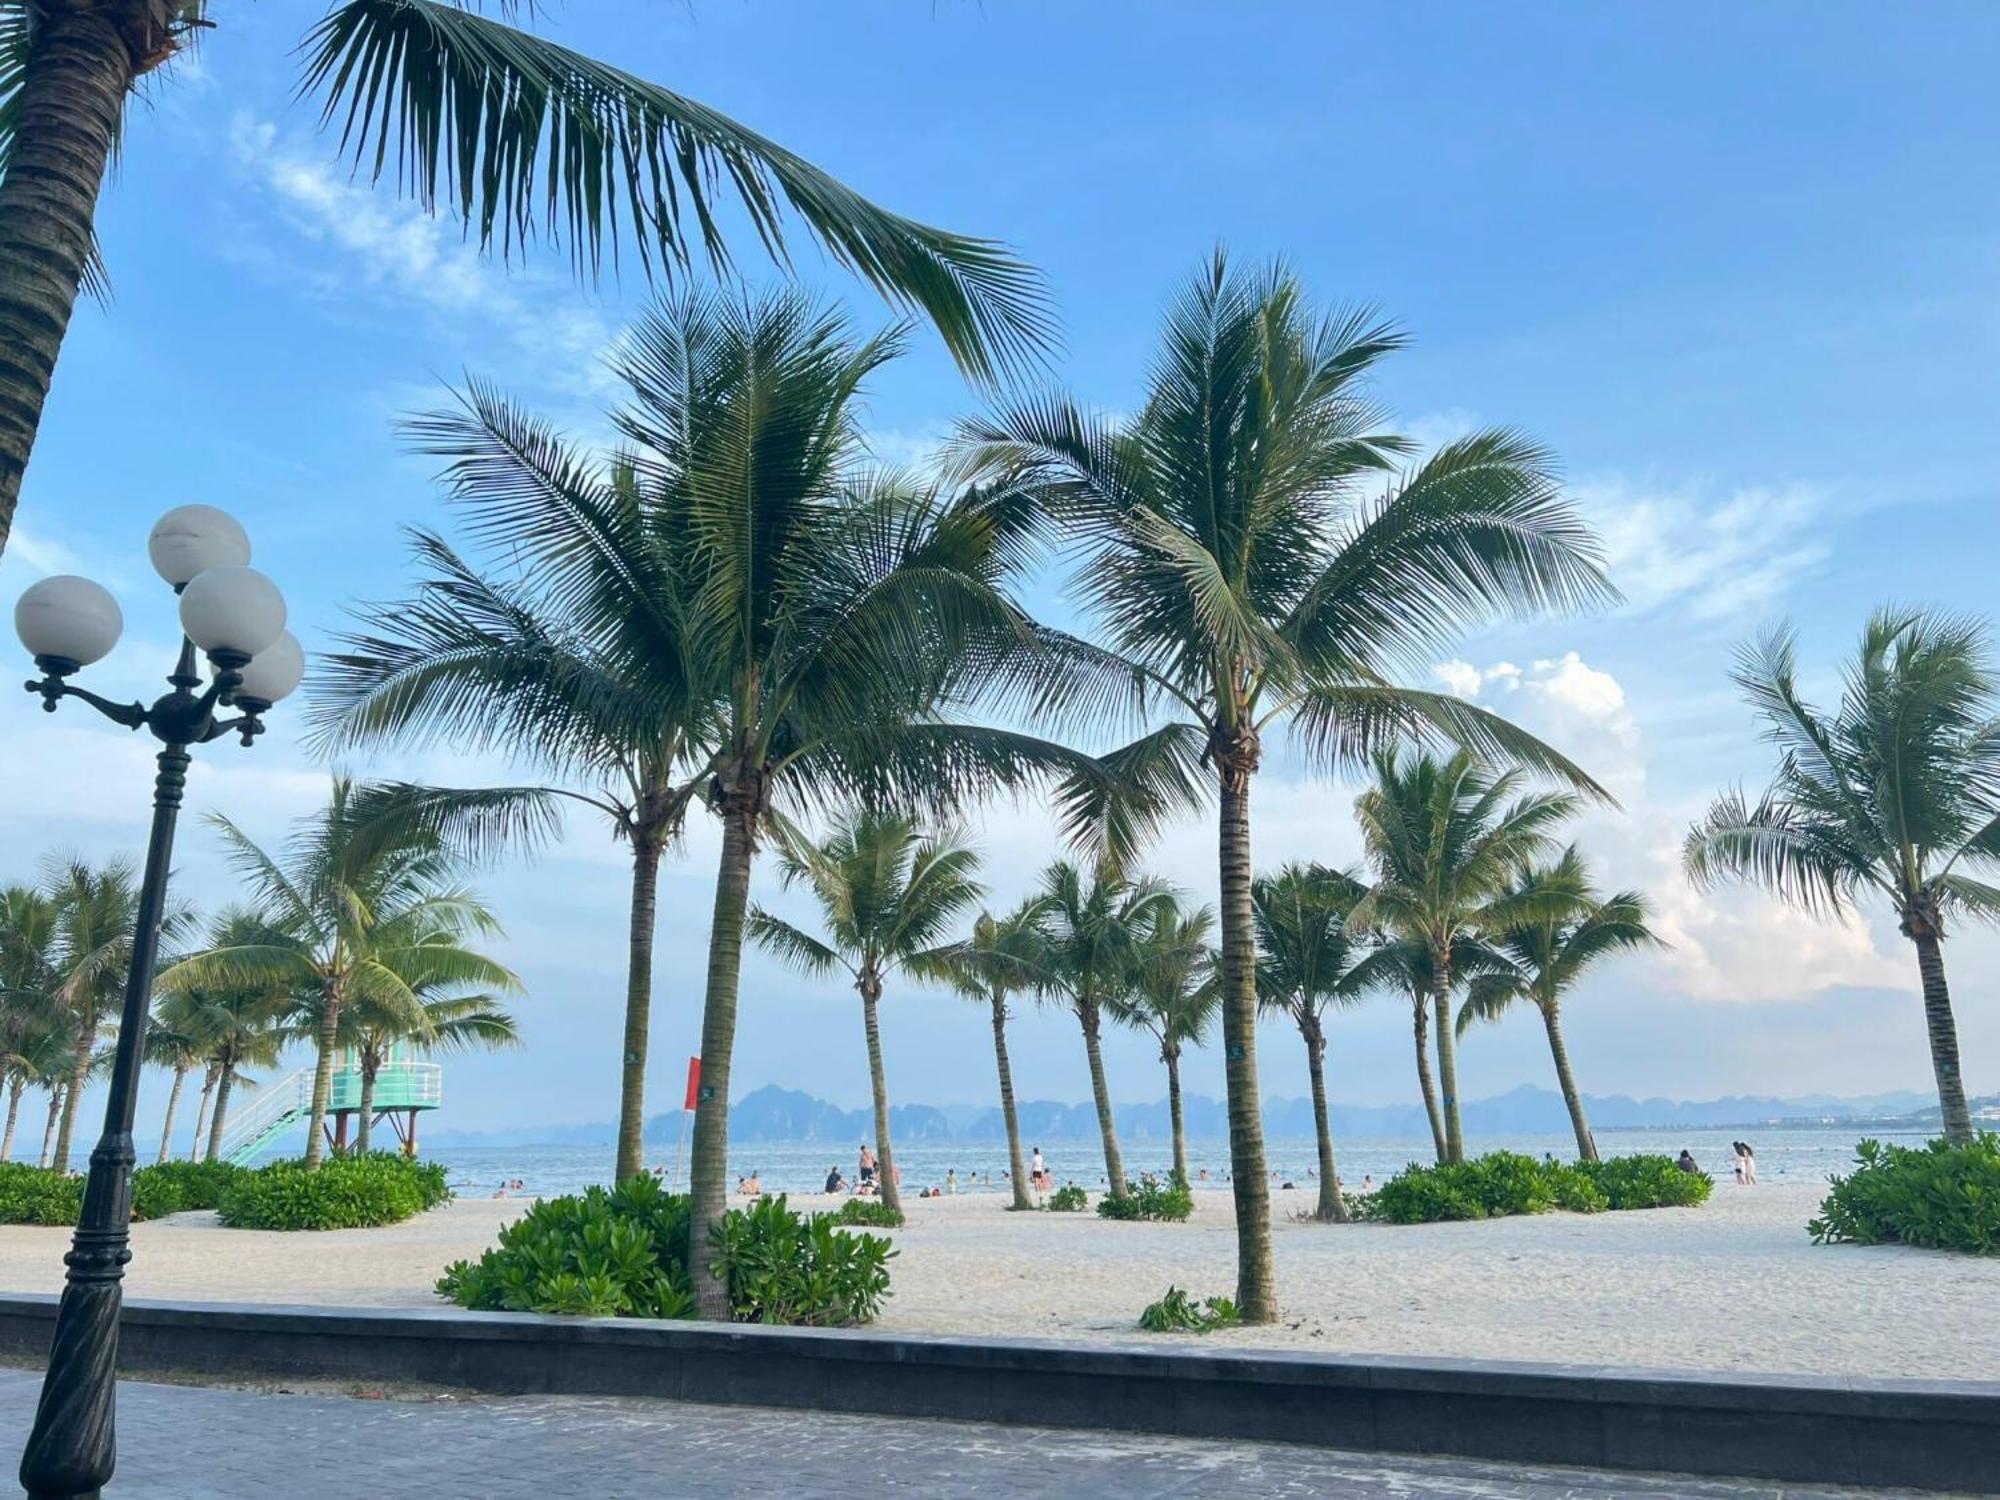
[198, 1443]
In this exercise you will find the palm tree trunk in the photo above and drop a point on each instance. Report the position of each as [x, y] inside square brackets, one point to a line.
[709, 1156]
[1956, 1113]
[49, 1131]
[215, 1126]
[878, 1084]
[364, 1131]
[173, 1103]
[1422, 1026]
[1256, 1277]
[13, 1114]
[1586, 1143]
[1454, 1130]
[1173, 1061]
[638, 1006]
[73, 1097]
[78, 72]
[201, 1111]
[329, 1034]
[1017, 1166]
[1332, 1207]
[1114, 1164]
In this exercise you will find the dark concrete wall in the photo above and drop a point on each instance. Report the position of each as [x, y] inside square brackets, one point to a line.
[1893, 1435]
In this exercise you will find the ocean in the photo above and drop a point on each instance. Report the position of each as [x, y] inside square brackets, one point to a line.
[1783, 1155]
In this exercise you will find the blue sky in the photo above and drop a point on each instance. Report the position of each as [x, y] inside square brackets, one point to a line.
[1737, 266]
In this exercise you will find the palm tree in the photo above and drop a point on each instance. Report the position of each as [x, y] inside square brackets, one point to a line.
[1444, 839]
[1245, 579]
[1092, 931]
[350, 913]
[172, 1043]
[41, 1056]
[1000, 960]
[30, 1009]
[450, 1022]
[889, 892]
[235, 1026]
[1402, 966]
[517, 135]
[1568, 929]
[1307, 961]
[1172, 997]
[1895, 794]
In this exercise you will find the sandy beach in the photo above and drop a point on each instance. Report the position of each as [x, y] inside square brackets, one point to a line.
[1735, 1285]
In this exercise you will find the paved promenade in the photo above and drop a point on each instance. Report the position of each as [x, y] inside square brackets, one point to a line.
[194, 1443]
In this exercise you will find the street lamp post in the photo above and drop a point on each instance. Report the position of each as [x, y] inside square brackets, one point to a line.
[236, 617]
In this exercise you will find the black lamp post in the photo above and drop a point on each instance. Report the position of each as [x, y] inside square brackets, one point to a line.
[236, 617]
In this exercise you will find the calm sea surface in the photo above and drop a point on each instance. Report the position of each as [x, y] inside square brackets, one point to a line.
[1782, 1156]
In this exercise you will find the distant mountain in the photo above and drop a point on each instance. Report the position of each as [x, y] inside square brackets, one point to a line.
[780, 1116]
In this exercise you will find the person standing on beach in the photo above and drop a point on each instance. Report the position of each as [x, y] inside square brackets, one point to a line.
[1037, 1170]
[867, 1166]
[1749, 1163]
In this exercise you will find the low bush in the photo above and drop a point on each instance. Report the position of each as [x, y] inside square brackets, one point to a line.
[1937, 1195]
[1168, 1202]
[1177, 1312]
[1648, 1182]
[35, 1195]
[1504, 1183]
[871, 1213]
[346, 1192]
[1068, 1199]
[622, 1252]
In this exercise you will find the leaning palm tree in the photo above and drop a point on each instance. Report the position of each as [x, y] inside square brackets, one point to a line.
[30, 1007]
[1249, 573]
[349, 914]
[1444, 838]
[1567, 928]
[1172, 997]
[40, 1058]
[453, 1021]
[518, 136]
[1093, 927]
[1402, 967]
[172, 1043]
[1895, 794]
[1307, 958]
[889, 892]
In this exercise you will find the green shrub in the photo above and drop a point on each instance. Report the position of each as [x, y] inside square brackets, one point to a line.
[175, 1187]
[1936, 1195]
[622, 1252]
[1648, 1182]
[347, 1192]
[1168, 1201]
[870, 1212]
[35, 1195]
[1177, 1312]
[1575, 1190]
[1068, 1199]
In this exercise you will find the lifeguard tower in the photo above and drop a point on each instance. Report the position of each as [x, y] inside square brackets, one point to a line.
[405, 1086]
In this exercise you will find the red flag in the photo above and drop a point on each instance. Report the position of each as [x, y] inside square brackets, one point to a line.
[694, 1083]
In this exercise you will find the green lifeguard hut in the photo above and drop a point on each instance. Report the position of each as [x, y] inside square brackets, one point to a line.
[405, 1086]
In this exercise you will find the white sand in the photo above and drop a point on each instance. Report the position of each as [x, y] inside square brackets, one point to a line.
[1735, 1285]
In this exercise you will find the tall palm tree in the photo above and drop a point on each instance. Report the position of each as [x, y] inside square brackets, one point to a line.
[349, 915]
[1402, 967]
[41, 1057]
[1444, 837]
[518, 136]
[889, 892]
[448, 1022]
[1173, 997]
[1248, 572]
[1894, 794]
[30, 1009]
[1567, 929]
[1307, 961]
[235, 1026]
[1093, 927]
[171, 1043]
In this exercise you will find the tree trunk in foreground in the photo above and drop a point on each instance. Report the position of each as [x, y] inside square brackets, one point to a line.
[173, 1103]
[709, 1161]
[215, 1126]
[49, 1130]
[878, 1086]
[365, 1131]
[1017, 1168]
[1256, 1278]
[1943, 1032]
[329, 1036]
[1100, 1091]
[1173, 1061]
[13, 1114]
[1586, 1143]
[638, 1007]
[1422, 1027]
[201, 1111]
[79, 1075]
[1332, 1207]
[1454, 1129]
[67, 111]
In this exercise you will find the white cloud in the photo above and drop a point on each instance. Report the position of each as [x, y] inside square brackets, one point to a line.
[1711, 559]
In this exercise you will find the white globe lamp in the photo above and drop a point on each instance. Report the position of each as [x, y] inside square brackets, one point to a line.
[232, 613]
[190, 539]
[67, 622]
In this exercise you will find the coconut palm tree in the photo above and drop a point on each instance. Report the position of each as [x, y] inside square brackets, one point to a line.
[1249, 572]
[1568, 930]
[521, 138]
[1001, 959]
[448, 1022]
[349, 914]
[1307, 957]
[889, 892]
[235, 1026]
[1173, 997]
[1093, 927]
[40, 1056]
[171, 1043]
[1402, 967]
[1895, 794]
[30, 1009]
[1444, 838]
